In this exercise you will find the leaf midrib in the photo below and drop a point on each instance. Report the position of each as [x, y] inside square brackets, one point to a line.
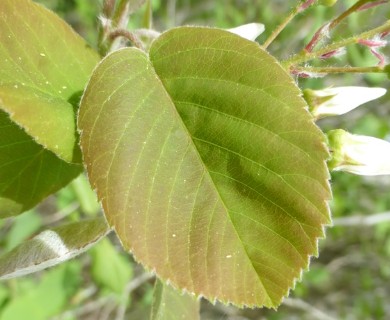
[210, 178]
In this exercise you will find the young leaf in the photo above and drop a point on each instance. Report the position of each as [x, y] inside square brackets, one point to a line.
[52, 247]
[44, 67]
[169, 304]
[208, 164]
[28, 172]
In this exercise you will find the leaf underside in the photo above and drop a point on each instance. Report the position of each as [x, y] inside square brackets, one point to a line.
[44, 67]
[52, 247]
[207, 163]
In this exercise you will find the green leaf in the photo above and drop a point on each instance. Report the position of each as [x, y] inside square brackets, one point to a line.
[105, 257]
[48, 297]
[28, 172]
[85, 196]
[207, 163]
[52, 247]
[23, 227]
[169, 304]
[44, 67]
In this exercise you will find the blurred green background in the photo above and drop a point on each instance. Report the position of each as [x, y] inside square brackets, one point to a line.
[351, 277]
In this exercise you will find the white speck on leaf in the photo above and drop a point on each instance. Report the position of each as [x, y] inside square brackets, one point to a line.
[228, 256]
[42, 55]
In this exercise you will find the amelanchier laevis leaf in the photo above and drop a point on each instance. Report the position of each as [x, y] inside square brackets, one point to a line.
[44, 67]
[170, 304]
[52, 247]
[208, 164]
[28, 171]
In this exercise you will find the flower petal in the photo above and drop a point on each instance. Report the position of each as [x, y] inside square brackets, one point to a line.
[340, 100]
[358, 154]
[249, 31]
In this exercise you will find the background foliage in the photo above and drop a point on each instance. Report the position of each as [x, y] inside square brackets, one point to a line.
[350, 279]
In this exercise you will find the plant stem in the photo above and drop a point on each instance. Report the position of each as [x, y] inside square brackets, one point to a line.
[326, 28]
[304, 56]
[327, 70]
[108, 8]
[298, 9]
[115, 15]
[148, 16]
[148, 33]
[128, 35]
[121, 15]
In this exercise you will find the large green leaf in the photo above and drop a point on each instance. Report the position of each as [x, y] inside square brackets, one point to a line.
[52, 247]
[169, 304]
[28, 172]
[207, 163]
[44, 67]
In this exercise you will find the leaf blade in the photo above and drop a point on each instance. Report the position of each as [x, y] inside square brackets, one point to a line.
[51, 247]
[191, 191]
[41, 55]
[28, 172]
[35, 121]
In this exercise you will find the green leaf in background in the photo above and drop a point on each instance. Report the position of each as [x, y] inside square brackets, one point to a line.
[23, 227]
[85, 195]
[109, 268]
[207, 163]
[169, 304]
[44, 67]
[52, 247]
[28, 172]
[47, 298]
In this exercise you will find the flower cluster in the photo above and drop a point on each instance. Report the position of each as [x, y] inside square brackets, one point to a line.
[352, 153]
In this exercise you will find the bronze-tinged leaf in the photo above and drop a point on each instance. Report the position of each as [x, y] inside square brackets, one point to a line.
[208, 164]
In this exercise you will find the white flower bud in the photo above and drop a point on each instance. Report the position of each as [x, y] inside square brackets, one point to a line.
[249, 31]
[362, 155]
[340, 100]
